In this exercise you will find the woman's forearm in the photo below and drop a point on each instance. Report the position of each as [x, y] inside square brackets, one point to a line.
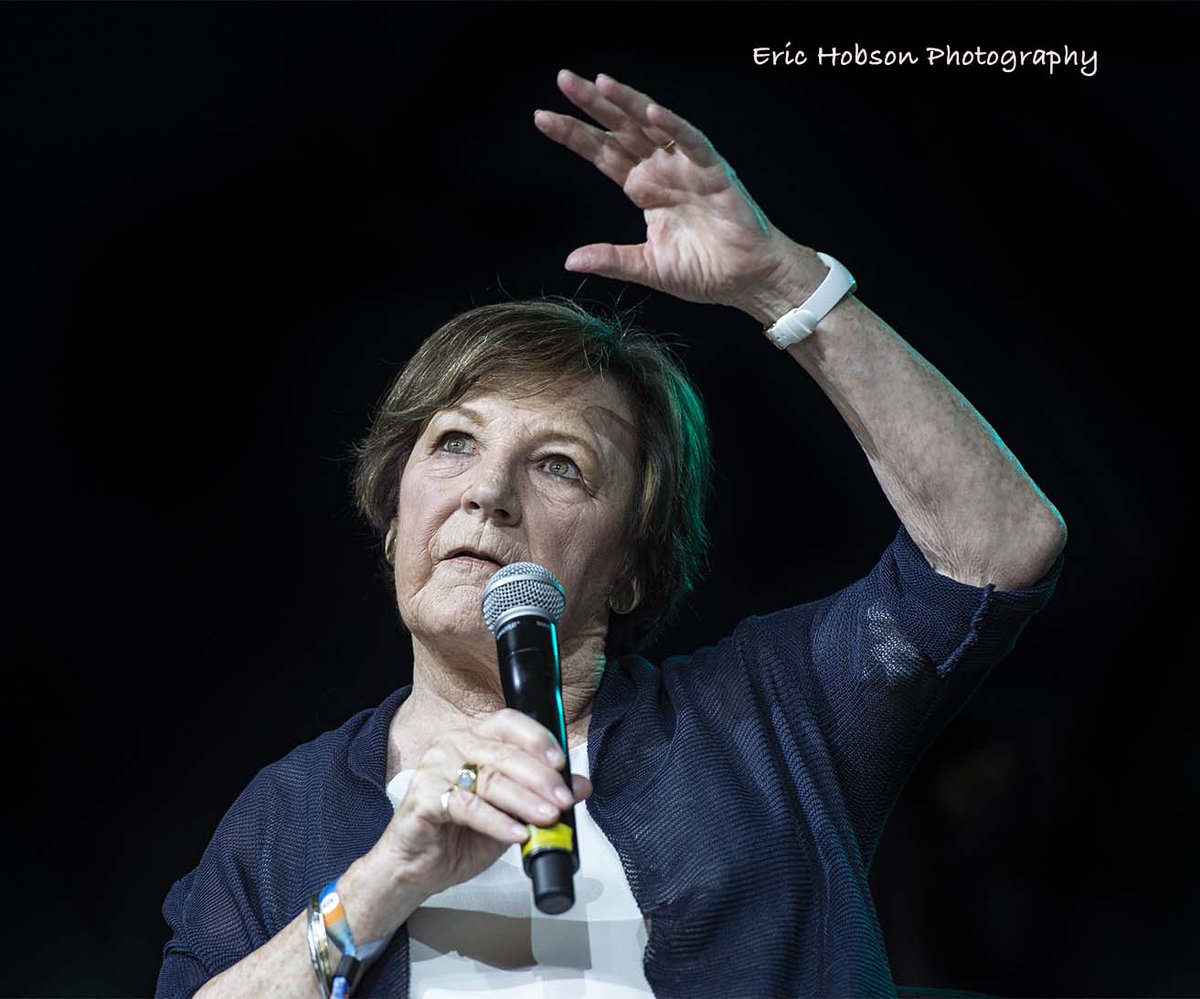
[961, 494]
[280, 968]
[377, 902]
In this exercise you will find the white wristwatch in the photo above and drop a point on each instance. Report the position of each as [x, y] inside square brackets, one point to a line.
[794, 326]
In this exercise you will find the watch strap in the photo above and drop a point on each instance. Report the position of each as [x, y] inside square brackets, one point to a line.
[794, 326]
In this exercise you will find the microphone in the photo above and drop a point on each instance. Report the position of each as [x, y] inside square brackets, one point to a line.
[522, 604]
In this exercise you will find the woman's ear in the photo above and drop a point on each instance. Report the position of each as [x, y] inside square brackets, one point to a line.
[624, 596]
[389, 544]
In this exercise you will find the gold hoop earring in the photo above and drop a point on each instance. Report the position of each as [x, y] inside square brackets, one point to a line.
[623, 598]
[389, 545]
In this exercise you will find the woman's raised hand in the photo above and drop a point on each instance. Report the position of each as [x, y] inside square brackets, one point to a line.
[706, 239]
[519, 780]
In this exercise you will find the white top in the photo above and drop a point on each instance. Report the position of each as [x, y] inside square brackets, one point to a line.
[486, 937]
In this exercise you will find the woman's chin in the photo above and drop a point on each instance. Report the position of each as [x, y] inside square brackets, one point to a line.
[445, 607]
[438, 630]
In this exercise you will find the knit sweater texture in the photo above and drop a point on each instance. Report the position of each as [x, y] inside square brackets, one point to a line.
[744, 787]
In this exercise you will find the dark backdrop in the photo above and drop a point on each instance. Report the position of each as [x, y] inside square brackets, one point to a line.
[226, 226]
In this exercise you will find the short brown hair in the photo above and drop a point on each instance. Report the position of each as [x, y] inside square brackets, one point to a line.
[531, 344]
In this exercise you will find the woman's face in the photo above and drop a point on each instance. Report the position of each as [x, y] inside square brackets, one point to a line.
[545, 478]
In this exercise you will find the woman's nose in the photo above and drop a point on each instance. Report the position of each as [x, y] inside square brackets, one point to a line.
[493, 492]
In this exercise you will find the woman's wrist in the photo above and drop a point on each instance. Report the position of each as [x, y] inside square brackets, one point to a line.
[376, 897]
[796, 275]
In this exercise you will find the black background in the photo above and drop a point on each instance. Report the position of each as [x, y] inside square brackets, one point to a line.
[226, 226]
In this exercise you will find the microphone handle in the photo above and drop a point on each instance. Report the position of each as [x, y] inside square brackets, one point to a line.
[527, 650]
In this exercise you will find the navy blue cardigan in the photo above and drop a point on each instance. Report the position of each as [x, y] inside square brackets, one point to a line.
[744, 787]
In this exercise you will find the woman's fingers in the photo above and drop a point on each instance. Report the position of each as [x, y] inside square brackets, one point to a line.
[500, 822]
[510, 725]
[633, 103]
[622, 263]
[581, 786]
[626, 130]
[637, 127]
[518, 765]
[659, 124]
[540, 805]
[691, 141]
[595, 146]
[519, 777]
[464, 808]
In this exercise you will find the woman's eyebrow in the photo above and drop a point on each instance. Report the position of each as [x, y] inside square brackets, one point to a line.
[605, 426]
[470, 412]
[565, 435]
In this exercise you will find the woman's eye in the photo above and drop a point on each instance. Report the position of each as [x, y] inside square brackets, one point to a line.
[454, 442]
[562, 467]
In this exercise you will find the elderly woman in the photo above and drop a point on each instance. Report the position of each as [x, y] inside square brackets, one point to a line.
[736, 795]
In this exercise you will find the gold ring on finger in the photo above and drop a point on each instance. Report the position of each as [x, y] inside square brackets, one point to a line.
[667, 147]
[468, 775]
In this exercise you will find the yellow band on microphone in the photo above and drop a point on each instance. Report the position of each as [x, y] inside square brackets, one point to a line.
[559, 836]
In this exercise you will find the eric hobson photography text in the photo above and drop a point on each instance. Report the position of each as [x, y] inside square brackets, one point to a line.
[1006, 60]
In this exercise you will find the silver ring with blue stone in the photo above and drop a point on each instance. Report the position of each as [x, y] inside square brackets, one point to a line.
[468, 774]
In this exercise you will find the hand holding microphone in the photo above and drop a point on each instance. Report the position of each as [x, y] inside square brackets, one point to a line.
[439, 839]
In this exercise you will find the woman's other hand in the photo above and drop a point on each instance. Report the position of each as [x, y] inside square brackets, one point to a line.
[517, 783]
[706, 239]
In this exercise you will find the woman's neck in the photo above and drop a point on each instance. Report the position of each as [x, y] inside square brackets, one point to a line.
[453, 687]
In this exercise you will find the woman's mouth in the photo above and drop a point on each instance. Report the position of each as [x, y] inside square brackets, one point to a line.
[469, 560]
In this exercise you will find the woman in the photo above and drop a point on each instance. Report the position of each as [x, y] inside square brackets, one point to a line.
[736, 795]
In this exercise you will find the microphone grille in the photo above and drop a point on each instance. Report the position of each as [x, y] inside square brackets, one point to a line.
[524, 587]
